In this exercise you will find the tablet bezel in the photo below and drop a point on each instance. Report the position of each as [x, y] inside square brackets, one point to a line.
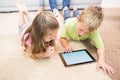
[65, 64]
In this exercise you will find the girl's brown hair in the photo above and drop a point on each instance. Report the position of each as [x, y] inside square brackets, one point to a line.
[42, 24]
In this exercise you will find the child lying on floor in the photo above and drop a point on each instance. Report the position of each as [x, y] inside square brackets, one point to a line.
[85, 26]
[37, 35]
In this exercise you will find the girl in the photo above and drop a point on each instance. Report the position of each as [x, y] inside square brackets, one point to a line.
[37, 38]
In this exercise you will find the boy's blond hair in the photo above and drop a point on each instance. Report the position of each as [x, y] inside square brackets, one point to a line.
[92, 16]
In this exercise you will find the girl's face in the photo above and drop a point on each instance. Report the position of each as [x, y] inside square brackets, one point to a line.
[51, 36]
[81, 29]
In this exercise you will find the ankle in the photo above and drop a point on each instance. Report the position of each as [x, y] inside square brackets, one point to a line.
[65, 8]
[74, 8]
[55, 12]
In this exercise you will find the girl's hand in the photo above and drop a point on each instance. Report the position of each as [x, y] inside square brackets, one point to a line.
[51, 50]
[105, 67]
[68, 49]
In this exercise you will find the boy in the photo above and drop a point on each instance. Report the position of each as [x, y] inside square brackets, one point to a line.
[84, 27]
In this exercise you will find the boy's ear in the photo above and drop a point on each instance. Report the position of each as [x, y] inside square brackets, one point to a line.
[78, 18]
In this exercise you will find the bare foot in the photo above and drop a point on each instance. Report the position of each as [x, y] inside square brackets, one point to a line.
[39, 10]
[21, 6]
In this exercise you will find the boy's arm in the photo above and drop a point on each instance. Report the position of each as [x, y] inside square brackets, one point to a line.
[101, 62]
[65, 44]
[97, 41]
[101, 53]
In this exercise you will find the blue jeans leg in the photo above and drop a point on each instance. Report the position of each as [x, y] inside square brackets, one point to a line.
[66, 3]
[53, 4]
[66, 14]
[76, 13]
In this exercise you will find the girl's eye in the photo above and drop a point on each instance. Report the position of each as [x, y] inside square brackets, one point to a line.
[48, 42]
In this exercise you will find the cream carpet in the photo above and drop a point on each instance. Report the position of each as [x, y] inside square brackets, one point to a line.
[14, 65]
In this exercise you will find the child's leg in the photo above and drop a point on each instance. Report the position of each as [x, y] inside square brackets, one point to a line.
[41, 8]
[66, 3]
[21, 19]
[66, 13]
[26, 13]
[75, 12]
[22, 8]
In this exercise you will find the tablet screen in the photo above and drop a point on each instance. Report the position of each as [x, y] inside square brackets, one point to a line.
[76, 57]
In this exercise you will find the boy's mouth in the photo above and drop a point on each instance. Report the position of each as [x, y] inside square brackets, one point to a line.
[79, 35]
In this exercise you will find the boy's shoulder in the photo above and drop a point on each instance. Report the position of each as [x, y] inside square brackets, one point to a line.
[70, 22]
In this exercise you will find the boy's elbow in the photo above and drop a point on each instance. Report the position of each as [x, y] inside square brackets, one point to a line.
[62, 39]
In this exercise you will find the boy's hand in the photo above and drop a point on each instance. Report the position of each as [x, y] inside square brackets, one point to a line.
[65, 44]
[68, 49]
[105, 67]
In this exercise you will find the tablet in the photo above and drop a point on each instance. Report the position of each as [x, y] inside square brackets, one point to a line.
[76, 57]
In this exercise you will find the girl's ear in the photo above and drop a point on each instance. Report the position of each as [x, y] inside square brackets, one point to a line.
[78, 18]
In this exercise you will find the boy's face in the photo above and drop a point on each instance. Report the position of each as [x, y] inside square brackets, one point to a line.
[82, 29]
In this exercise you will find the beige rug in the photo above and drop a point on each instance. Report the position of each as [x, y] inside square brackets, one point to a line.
[14, 65]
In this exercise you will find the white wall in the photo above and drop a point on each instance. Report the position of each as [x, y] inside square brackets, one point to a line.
[9, 5]
[110, 3]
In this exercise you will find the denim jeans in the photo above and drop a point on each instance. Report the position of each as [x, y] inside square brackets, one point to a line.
[67, 14]
[53, 4]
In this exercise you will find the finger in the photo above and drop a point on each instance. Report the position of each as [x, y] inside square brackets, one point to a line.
[52, 48]
[98, 67]
[68, 50]
[65, 50]
[110, 70]
[104, 69]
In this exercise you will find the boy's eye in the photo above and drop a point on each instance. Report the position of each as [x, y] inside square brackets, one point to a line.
[80, 29]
